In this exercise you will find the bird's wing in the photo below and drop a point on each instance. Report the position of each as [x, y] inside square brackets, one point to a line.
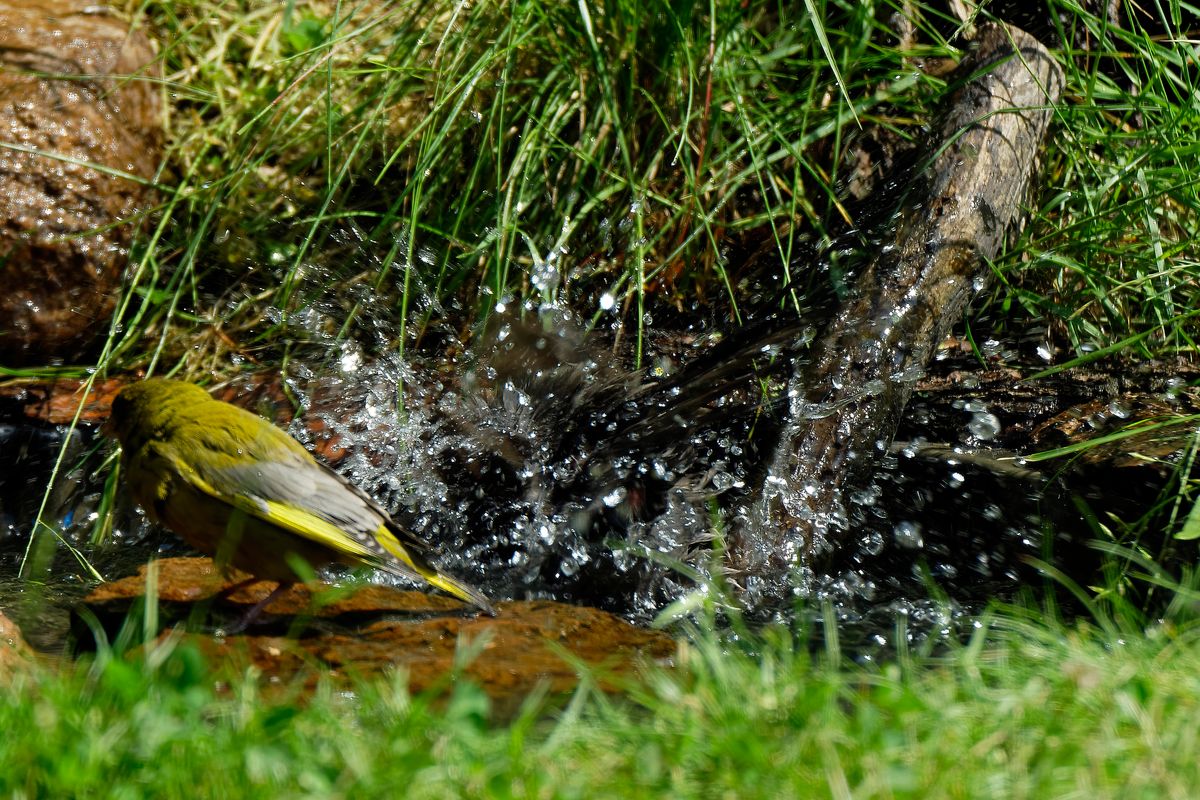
[312, 501]
[309, 500]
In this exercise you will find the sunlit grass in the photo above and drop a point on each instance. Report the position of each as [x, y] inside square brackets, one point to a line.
[419, 162]
[1026, 707]
[438, 158]
[1108, 257]
[451, 155]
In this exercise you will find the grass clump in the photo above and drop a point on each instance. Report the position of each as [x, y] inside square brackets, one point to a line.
[1107, 260]
[358, 171]
[449, 155]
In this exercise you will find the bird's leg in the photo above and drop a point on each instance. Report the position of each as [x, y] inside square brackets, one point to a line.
[250, 616]
[232, 589]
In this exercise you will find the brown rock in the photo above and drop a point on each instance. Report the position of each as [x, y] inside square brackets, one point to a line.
[55, 401]
[77, 116]
[371, 630]
[15, 654]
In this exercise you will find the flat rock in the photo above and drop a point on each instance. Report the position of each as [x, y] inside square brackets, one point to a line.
[340, 632]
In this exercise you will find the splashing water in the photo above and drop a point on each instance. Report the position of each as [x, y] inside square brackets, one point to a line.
[542, 469]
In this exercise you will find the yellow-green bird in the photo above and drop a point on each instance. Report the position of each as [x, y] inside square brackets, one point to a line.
[243, 491]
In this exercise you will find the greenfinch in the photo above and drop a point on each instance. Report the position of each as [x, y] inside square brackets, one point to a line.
[238, 488]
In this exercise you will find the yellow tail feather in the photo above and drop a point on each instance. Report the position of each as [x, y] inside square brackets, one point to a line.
[468, 594]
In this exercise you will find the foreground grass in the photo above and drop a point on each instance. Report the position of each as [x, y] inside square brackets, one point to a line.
[1025, 709]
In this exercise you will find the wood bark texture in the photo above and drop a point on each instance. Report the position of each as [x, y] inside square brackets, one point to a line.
[845, 401]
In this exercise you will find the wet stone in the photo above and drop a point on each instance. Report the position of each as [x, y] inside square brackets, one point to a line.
[56, 402]
[78, 111]
[340, 632]
[15, 654]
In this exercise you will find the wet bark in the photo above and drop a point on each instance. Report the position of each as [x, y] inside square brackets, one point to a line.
[846, 400]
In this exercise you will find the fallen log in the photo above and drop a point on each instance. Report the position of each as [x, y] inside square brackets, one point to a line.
[845, 401]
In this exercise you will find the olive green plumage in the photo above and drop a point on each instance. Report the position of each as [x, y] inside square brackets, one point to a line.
[241, 490]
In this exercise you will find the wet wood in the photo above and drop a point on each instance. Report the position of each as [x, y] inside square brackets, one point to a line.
[1070, 407]
[964, 204]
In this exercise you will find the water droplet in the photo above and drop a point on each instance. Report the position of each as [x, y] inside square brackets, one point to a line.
[908, 535]
[984, 426]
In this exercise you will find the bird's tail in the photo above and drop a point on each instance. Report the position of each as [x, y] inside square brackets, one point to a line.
[463, 591]
[410, 551]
